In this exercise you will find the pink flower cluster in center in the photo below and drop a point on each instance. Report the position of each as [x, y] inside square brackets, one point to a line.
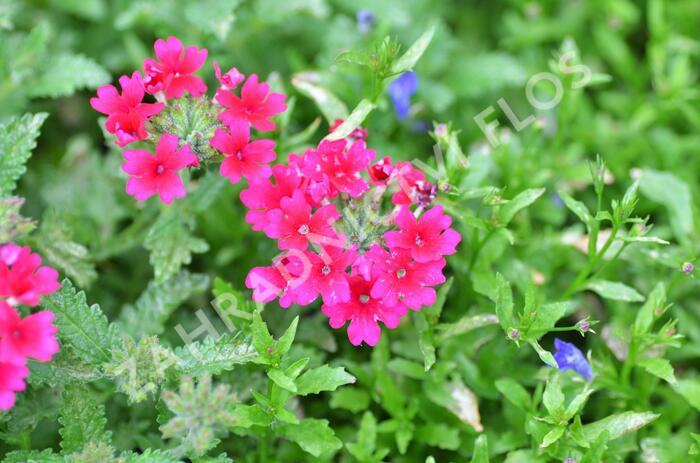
[299, 207]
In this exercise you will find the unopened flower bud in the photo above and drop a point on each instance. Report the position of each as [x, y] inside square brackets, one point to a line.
[584, 326]
[514, 334]
[687, 268]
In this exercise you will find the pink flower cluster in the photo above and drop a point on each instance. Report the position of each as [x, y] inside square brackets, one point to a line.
[357, 282]
[23, 281]
[171, 76]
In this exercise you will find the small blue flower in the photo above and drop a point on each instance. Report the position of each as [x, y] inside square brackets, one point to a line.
[365, 21]
[401, 91]
[569, 357]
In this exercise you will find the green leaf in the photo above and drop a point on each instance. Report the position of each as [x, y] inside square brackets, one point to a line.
[553, 397]
[514, 392]
[55, 242]
[578, 208]
[465, 324]
[659, 367]
[285, 341]
[504, 303]
[353, 121]
[439, 435]
[214, 356]
[156, 304]
[647, 314]
[34, 456]
[618, 425]
[82, 328]
[409, 59]
[690, 390]
[553, 436]
[149, 456]
[366, 443]
[520, 202]
[597, 450]
[82, 419]
[262, 339]
[545, 355]
[546, 316]
[313, 436]
[63, 74]
[481, 450]
[17, 140]
[674, 194]
[576, 405]
[324, 378]
[309, 84]
[172, 244]
[615, 290]
[282, 380]
[246, 416]
[350, 398]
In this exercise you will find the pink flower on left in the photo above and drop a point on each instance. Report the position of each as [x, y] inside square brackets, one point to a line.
[23, 281]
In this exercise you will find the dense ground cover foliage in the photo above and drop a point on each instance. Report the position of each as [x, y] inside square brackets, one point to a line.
[323, 230]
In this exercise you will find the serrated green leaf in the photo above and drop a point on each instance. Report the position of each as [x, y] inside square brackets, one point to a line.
[282, 380]
[82, 419]
[659, 367]
[34, 456]
[63, 74]
[324, 378]
[84, 329]
[172, 244]
[150, 456]
[313, 436]
[17, 140]
[246, 416]
[520, 202]
[615, 290]
[149, 313]
[214, 356]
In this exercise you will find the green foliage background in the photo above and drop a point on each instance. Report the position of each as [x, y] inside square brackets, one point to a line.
[453, 383]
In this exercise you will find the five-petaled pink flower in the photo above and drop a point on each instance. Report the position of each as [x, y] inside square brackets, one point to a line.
[328, 276]
[230, 80]
[22, 278]
[11, 381]
[285, 278]
[337, 168]
[126, 113]
[256, 105]
[243, 157]
[173, 73]
[262, 195]
[364, 311]
[31, 337]
[428, 238]
[294, 225]
[158, 174]
[402, 279]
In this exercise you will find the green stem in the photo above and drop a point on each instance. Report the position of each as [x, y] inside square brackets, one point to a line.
[582, 277]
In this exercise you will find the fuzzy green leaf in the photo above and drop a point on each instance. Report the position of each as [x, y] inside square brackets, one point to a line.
[618, 425]
[84, 329]
[34, 456]
[214, 356]
[309, 84]
[63, 74]
[409, 59]
[17, 140]
[659, 367]
[615, 290]
[353, 121]
[82, 419]
[155, 305]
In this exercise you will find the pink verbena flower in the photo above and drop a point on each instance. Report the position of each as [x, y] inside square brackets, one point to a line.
[22, 278]
[11, 381]
[294, 224]
[243, 157]
[126, 113]
[262, 195]
[428, 238]
[158, 174]
[413, 187]
[31, 337]
[400, 278]
[284, 278]
[380, 172]
[337, 169]
[230, 80]
[328, 276]
[364, 311]
[173, 73]
[256, 105]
